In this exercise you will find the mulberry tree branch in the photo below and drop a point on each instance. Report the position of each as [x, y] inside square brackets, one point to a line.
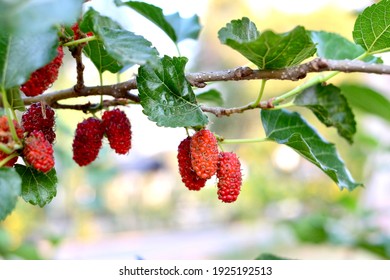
[293, 73]
[77, 55]
[121, 91]
[90, 107]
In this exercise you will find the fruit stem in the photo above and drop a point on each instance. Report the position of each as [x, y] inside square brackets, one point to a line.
[5, 149]
[295, 91]
[80, 41]
[7, 109]
[178, 50]
[101, 84]
[284, 105]
[379, 51]
[257, 102]
[241, 141]
[5, 160]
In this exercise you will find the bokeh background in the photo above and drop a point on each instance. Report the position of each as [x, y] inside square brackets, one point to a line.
[135, 206]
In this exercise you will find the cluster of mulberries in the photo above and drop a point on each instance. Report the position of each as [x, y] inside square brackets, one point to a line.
[89, 136]
[37, 132]
[42, 78]
[38, 123]
[199, 159]
[33, 146]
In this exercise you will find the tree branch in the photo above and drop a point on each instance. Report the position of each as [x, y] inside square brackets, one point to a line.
[293, 73]
[77, 55]
[220, 111]
[121, 91]
[90, 107]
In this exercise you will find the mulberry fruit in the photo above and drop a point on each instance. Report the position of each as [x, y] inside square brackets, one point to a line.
[41, 79]
[40, 118]
[5, 133]
[204, 153]
[87, 141]
[188, 175]
[229, 177]
[76, 31]
[7, 139]
[38, 152]
[117, 128]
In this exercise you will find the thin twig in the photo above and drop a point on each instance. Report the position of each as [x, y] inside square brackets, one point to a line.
[220, 111]
[77, 55]
[91, 107]
[200, 79]
[120, 90]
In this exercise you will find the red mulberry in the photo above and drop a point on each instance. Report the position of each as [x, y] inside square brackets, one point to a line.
[118, 130]
[38, 152]
[76, 31]
[87, 141]
[38, 118]
[229, 177]
[188, 175]
[204, 153]
[41, 79]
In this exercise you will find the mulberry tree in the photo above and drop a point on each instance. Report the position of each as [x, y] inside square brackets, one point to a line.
[31, 53]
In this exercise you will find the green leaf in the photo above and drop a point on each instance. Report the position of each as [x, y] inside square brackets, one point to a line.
[185, 28]
[330, 107]
[10, 188]
[268, 50]
[292, 130]
[121, 45]
[270, 257]
[36, 16]
[38, 188]
[311, 228]
[372, 28]
[126, 47]
[14, 99]
[176, 27]
[334, 46]
[95, 50]
[23, 54]
[367, 99]
[166, 96]
[211, 96]
[154, 14]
